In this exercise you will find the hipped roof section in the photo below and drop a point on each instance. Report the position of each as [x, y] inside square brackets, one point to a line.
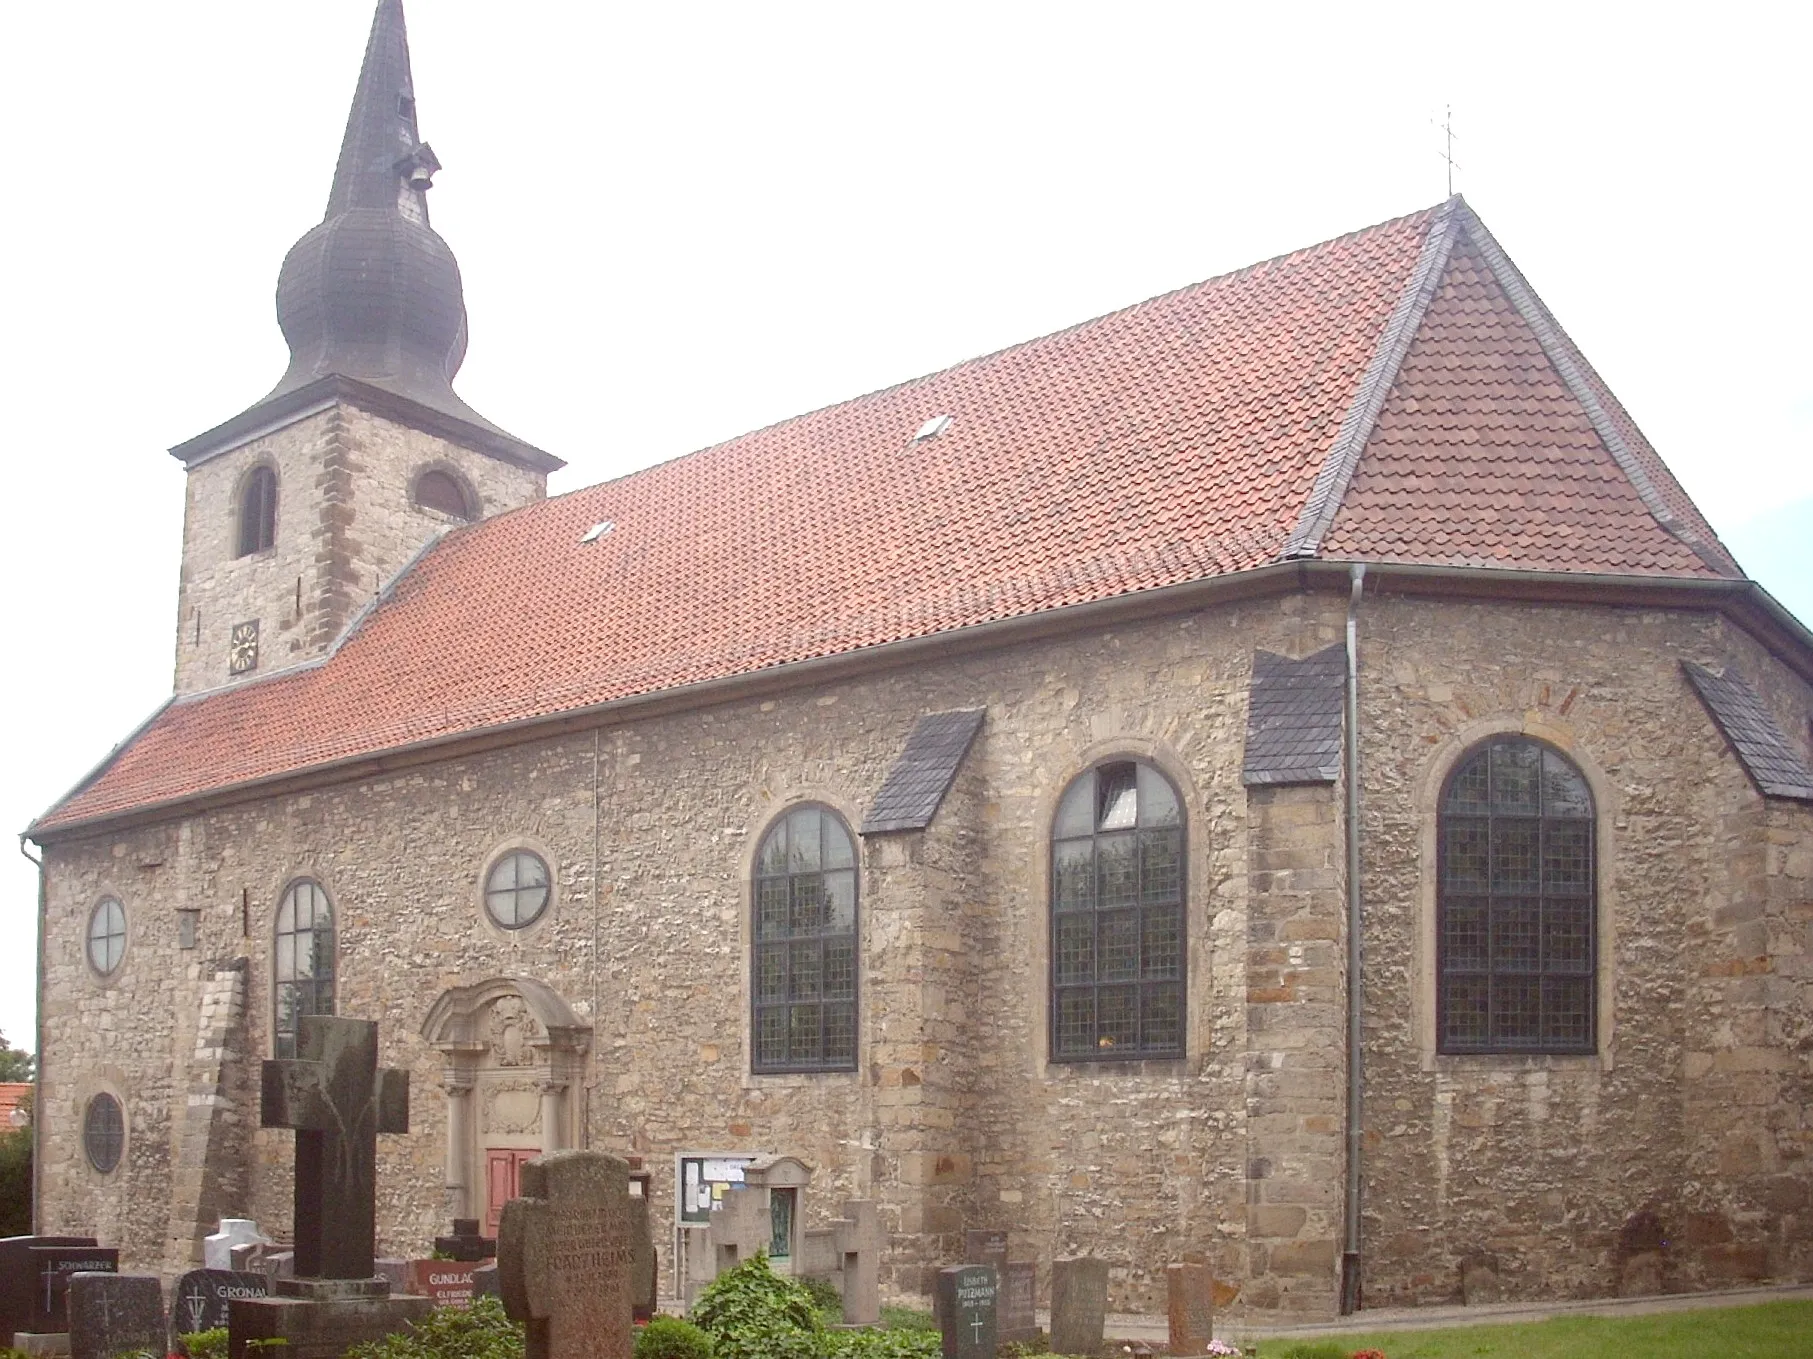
[1261, 416]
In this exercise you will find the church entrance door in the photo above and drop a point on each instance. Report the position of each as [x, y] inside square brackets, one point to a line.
[503, 1175]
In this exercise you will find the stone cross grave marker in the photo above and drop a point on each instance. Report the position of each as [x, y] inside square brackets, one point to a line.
[201, 1297]
[1190, 1306]
[1079, 1305]
[111, 1315]
[465, 1243]
[338, 1101]
[563, 1256]
[966, 1311]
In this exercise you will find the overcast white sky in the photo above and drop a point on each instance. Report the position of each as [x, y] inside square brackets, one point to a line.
[678, 222]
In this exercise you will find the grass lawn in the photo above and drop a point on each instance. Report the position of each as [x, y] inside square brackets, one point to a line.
[1771, 1330]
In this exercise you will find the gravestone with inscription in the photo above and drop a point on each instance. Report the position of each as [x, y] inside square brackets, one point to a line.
[966, 1306]
[1016, 1318]
[19, 1281]
[1190, 1307]
[201, 1297]
[447, 1283]
[338, 1100]
[51, 1267]
[114, 1315]
[1079, 1305]
[987, 1247]
[563, 1256]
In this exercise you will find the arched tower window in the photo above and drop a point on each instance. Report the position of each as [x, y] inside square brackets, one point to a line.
[1516, 903]
[803, 966]
[436, 490]
[258, 511]
[1117, 917]
[304, 972]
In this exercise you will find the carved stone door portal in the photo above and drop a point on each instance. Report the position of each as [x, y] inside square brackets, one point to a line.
[514, 1056]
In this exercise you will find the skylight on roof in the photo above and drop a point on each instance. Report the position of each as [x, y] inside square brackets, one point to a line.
[597, 531]
[932, 428]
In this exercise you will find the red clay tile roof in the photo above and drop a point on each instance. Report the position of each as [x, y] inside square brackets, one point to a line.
[1175, 440]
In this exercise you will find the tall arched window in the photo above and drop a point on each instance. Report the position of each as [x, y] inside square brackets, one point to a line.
[803, 969]
[1516, 903]
[258, 511]
[1117, 917]
[304, 973]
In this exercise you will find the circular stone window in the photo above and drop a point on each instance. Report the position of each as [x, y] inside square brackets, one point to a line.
[106, 935]
[104, 1133]
[516, 889]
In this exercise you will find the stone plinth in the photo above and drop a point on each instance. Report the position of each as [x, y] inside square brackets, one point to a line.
[321, 1327]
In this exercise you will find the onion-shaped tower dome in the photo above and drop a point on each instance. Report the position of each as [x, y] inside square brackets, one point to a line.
[370, 299]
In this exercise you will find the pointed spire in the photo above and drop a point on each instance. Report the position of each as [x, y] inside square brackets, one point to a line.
[383, 160]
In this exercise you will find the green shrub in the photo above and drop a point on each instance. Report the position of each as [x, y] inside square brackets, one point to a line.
[908, 1319]
[753, 1313]
[672, 1338]
[480, 1332]
[1024, 1349]
[870, 1343]
[826, 1300]
[204, 1344]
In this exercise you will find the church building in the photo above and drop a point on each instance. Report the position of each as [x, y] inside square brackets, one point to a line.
[1280, 775]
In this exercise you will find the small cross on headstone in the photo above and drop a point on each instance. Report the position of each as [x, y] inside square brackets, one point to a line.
[338, 1101]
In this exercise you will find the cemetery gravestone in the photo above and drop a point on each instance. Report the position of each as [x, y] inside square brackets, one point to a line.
[1016, 1316]
[19, 1281]
[217, 1250]
[338, 1101]
[448, 1283]
[51, 1266]
[485, 1282]
[985, 1248]
[1079, 1305]
[465, 1243]
[966, 1311]
[1190, 1306]
[201, 1297]
[563, 1256]
[113, 1315]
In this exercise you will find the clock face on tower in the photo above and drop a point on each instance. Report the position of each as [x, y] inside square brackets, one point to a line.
[242, 648]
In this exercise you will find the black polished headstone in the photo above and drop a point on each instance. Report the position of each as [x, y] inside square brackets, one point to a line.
[201, 1297]
[19, 1282]
[115, 1315]
[51, 1267]
[338, 1101]
[465, 1244]
[966, 1300]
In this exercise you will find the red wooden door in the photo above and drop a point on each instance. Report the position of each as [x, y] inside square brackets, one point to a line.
[503, 1167]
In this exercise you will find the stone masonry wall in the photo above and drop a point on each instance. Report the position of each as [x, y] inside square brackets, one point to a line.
[1532, 1167]
[346, 524]
[1549, 1176]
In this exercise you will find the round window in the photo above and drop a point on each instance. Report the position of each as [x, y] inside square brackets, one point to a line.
[104, 1133]
[107, 935]
[516, 889]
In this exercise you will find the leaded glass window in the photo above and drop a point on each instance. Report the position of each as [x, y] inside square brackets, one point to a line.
[106, 935]
[516, 889]
[104, 1133]
[1516, 950]
[803, 968]
[305, 960]
[1117, 917]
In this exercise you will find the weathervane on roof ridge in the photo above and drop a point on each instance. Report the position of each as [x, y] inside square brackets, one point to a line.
[1447, 151]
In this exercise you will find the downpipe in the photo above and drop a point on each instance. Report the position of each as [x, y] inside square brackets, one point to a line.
[1350, 1250]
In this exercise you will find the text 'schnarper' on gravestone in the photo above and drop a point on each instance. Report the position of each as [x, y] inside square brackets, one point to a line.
[563, 1256]
[966, 1311]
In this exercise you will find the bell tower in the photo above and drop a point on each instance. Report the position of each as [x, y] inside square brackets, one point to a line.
[301, 507]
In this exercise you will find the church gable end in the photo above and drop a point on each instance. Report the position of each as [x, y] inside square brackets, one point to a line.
[1484, 455]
